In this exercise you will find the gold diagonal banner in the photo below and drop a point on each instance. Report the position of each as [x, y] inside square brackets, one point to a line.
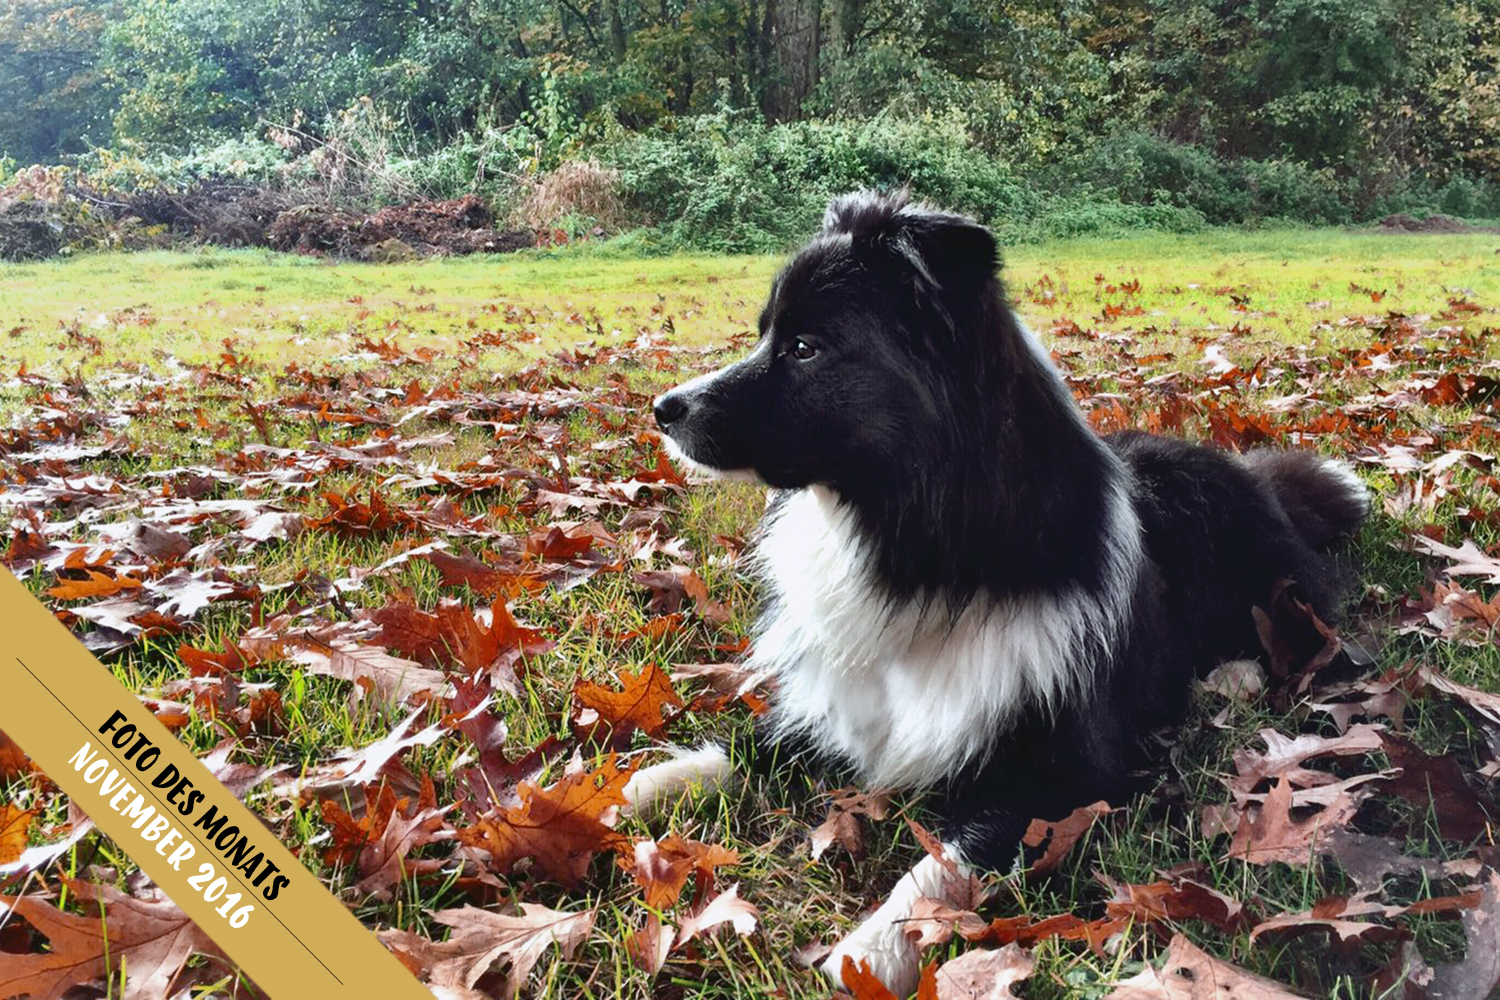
[212, 856]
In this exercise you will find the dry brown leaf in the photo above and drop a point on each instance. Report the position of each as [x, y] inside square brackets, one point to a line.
[96, 584]
[151, 938]
[1483, 702]
[1061, 835]
[663, 867]
[1272, 834]
[185, 594]
[39, 857]
[327, 653]
[984, 975]
[1284, 758]
[933, 921]
[1368, 860]
[379, 841]
[363, 767]
[1456, 613]
[1340, 916]
[1175, 900]
[481, 938]
[453, 633]
[960, 888]
[641, 703]
[237, 778]
[555, 543]
[861, 983]
[1237, 680]
[13, 760]
[15, 825]
[1436, 785]
[357, 519]
[464, 570]
[269, 524]
[725, 908]
[650, 944]
[1372, 698]
[677, 585]
[561, 827]
[1465, 560]
[730, 679]
[204, 662]
[394, 679]
[1191, 974]
[841, 826]
[1297, 642]
[927, 985]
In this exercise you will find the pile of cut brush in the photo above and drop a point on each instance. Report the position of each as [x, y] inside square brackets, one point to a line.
[427, 620]
[462, 226]
[43, 214]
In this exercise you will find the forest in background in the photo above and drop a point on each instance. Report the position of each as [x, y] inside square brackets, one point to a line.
[726, 124]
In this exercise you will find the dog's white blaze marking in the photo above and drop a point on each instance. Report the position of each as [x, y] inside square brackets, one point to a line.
[652, 787]
[881, 939]
[904, 694]
[697, 382]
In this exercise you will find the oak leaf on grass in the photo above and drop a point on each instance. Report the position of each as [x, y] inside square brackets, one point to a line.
[560, 827]
[1189, 973]
[151, 937]
[481, 938]
[641, 703]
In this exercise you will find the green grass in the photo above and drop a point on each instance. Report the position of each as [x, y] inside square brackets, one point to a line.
[1282, 288]
[280, 305]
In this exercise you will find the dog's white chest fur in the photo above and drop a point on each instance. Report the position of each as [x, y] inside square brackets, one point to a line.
[906, 695]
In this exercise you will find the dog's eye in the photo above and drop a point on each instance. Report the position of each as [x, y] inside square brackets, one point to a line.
[803, 351]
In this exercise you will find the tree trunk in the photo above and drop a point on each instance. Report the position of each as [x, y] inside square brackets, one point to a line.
[736, 84]
[684, 101]
[848, 18]
[795, 37]
[618, 40]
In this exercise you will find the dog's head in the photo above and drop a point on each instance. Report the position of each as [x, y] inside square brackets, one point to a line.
[866, 333]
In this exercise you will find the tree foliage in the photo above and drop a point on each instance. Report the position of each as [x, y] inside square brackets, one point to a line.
[1317, 109]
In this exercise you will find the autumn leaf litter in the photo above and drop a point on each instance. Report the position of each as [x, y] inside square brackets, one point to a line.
[428, 620]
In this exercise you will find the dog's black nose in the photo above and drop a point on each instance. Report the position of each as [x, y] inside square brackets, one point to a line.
[669, 409]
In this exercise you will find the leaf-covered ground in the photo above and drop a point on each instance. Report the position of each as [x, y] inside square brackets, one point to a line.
[396, 551]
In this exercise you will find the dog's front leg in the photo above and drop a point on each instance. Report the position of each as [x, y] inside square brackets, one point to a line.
[881, 938]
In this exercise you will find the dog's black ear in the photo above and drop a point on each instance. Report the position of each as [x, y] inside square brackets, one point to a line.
[959, 254]
[940, 250]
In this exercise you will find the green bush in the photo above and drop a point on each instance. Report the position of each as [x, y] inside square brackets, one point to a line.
[728, 184]
[1139, 168]
[1469, 198]
[731, 183]
[1287, 189]
[1094, 215]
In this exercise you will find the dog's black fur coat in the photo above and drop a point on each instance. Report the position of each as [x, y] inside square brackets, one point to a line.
[892, 373]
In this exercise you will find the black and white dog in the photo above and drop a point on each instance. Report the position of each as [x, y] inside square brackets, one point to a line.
[968, 590]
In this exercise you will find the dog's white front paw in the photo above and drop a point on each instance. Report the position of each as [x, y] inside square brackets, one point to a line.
[882, 943]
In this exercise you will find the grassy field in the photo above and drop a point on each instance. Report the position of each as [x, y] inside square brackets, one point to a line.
[282, 305]
[1258, 336]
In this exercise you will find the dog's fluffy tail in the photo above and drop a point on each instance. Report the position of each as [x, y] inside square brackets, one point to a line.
[652, 788]
[1323, 498]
